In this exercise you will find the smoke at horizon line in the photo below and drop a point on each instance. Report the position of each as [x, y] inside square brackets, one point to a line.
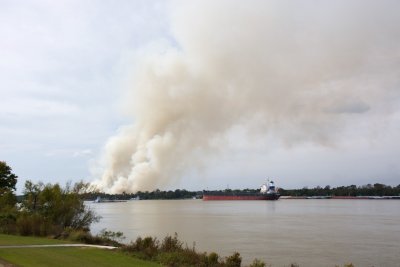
[297, 71]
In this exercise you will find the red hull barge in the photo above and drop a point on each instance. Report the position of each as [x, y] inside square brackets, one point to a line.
[243, 197]
[267, 192]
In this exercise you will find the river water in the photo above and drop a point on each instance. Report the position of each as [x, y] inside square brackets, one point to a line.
[306, 231]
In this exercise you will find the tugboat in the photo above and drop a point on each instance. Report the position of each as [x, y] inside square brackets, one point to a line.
[267, 192]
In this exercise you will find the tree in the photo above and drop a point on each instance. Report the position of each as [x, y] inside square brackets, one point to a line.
[8, 212]
[31, 194]
[8, 180]
[8, 200]
[50, 209]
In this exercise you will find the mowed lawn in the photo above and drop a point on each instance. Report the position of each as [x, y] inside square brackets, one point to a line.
[63, 256]
[8, 240]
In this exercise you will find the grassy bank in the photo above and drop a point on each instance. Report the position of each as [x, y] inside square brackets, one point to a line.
[8, 240]
[67, 256]
[145, 252]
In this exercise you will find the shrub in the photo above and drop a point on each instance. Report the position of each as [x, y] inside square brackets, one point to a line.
[79, 236]
[171, 244]
[257, 263]
[84, 236]
[213, 259]
[235, 260]
[29, 224]
[171, 259]
[144, 248]
[184, 257]
[8, 222]
[111, 237]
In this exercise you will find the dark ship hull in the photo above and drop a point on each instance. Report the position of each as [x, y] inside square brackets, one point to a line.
[267, 192]
[227, 196]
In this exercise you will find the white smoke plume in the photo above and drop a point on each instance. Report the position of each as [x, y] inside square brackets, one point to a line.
[298, 69]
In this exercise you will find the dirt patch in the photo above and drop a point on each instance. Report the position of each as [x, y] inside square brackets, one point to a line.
[4, 263]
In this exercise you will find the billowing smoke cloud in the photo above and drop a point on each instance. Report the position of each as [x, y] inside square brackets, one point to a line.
[297, 69]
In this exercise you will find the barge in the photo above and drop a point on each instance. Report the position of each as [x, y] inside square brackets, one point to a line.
[267, 192]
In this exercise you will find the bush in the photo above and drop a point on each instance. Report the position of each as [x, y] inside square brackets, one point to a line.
[144, 248]
[171, 259]
[111, 237]
[257, 263]
[184, 257]
[235, 260]
[79, 236]
[213, 259]
[171, 244]
[29, 224]
[170, 252]
[84, 236]
[8, 222]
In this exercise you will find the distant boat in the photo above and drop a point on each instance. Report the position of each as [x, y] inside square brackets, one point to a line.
[135, 198]
[267, 192]
[105, 200]
[319, 197]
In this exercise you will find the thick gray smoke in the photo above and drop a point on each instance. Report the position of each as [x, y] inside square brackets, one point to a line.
[297, 69]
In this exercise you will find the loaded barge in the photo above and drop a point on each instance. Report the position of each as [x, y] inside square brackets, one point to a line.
[267, 192]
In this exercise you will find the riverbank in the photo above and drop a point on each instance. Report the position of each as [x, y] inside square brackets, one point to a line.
[58, 251]
[43, 252]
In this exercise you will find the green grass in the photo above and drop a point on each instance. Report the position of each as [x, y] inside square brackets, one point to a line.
[88, 257]
[65, 256]
[28, 240]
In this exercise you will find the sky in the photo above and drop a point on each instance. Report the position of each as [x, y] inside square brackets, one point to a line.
[140, 95]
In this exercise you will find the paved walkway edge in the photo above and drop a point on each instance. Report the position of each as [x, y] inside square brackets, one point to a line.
[58, 245]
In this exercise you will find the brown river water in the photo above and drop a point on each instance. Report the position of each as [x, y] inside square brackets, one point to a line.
[309, 232]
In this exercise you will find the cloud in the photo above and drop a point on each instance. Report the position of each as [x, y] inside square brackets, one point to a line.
[349, 107]
[36, 108]
[60, 73]
[83, 153]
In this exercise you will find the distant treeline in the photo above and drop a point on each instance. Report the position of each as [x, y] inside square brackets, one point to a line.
[376, 189]
[157, 194]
